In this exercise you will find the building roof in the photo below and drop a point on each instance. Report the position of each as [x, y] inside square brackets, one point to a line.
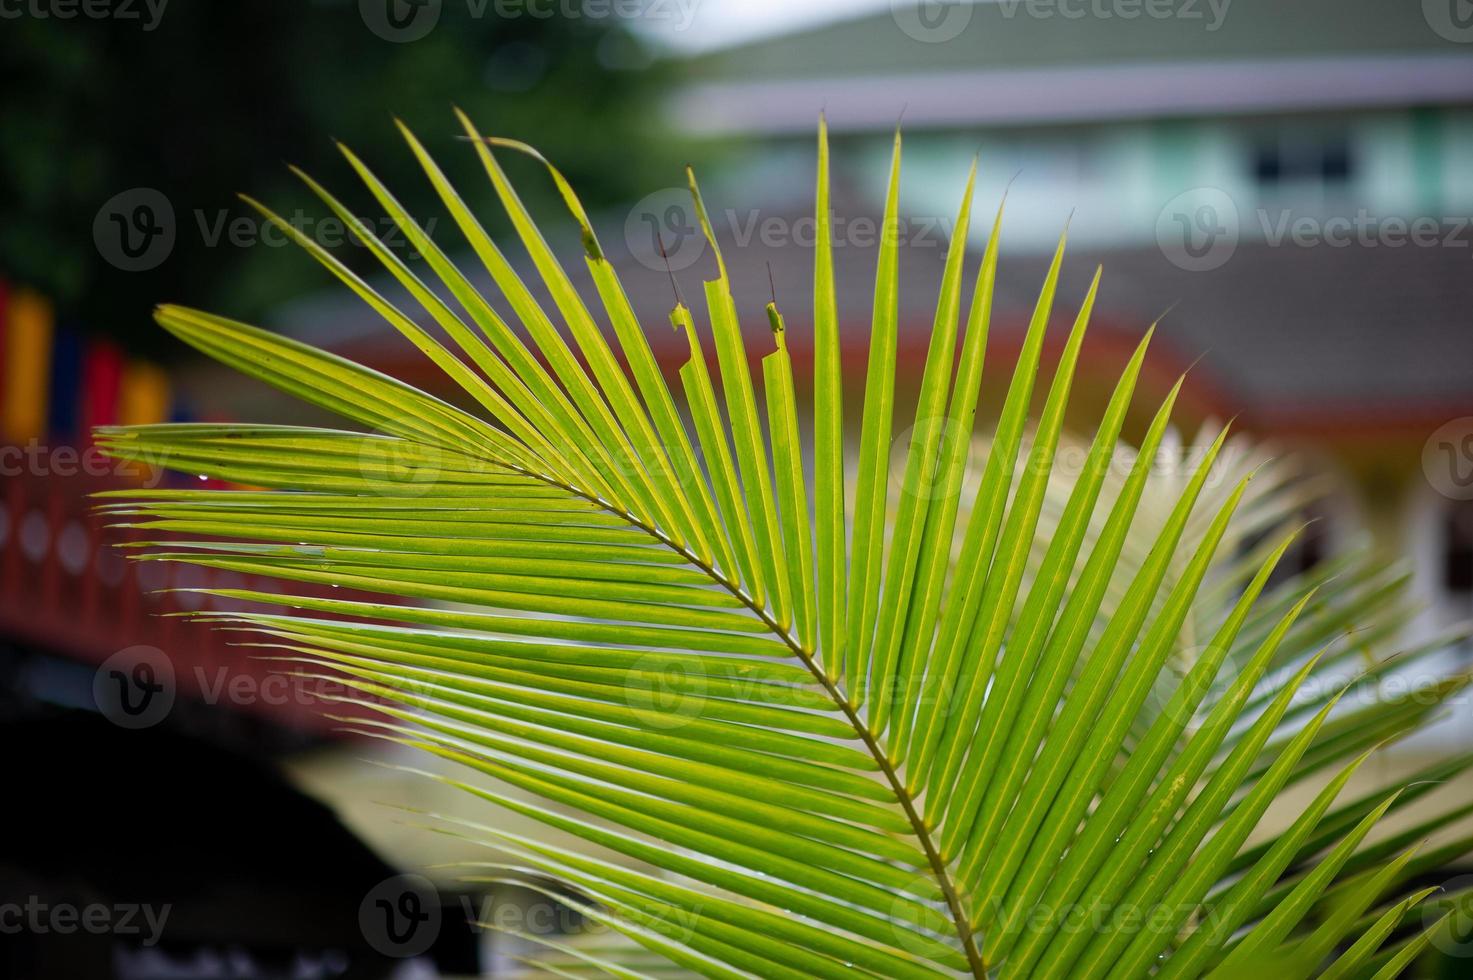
[1015, 61]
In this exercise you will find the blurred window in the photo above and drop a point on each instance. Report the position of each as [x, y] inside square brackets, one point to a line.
[1312, 546]
[1302, 158]
[1457, 556]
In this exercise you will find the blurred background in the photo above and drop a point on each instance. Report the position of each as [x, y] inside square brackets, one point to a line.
[1287, 186]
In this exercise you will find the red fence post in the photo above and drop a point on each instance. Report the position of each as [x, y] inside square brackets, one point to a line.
[15, 512]
[51, 561]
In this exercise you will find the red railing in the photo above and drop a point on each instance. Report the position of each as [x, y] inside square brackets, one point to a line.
[66, 591]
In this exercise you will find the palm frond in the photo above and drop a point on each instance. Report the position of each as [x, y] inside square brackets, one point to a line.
[1034, 727]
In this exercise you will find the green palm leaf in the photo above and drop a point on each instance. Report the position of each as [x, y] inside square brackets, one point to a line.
[916, 746]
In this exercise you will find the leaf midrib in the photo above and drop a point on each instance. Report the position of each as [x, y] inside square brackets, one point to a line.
[961, 921]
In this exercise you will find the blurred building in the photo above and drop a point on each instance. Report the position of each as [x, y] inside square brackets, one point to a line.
[1288, 180]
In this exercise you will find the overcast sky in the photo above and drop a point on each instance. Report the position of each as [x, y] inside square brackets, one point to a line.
[699, 24]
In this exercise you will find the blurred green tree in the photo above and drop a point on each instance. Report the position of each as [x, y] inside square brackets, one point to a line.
[196, 101]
